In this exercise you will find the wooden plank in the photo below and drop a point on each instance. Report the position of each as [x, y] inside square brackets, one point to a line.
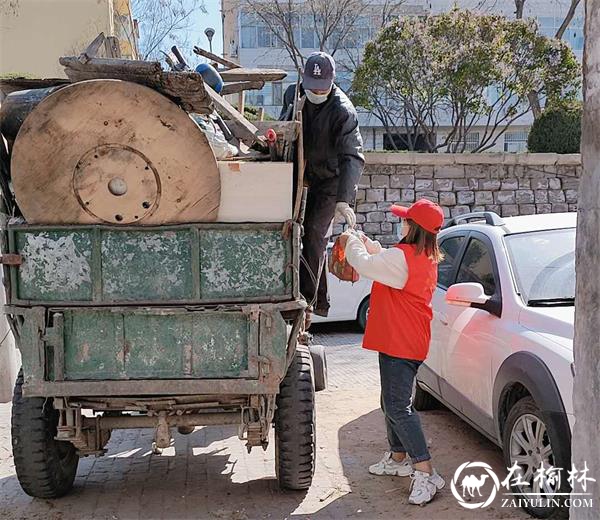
[112, 47]
[246, 131]
[241, 102]
[8, 85]
[219, 59]
[244, 74]
[104, 65]
[234, 88]
[92, 49]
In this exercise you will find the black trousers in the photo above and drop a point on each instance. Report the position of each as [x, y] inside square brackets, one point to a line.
[320, 210]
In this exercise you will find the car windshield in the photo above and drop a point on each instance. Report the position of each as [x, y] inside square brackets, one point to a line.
[544, 266]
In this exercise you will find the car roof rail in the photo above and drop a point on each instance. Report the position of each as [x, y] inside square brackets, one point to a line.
[491, 219]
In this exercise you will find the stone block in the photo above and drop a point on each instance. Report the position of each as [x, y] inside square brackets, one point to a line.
[543, 208]
[571, 196]
[524, 196]
[504, 197]
[560, 208]
[527, 209]
[423, 184]
[402, 181]
[442, 184]
[484, 197]
[493, 185]
[476, 209]
[447, 198]
[446, 211]
[405, 169]
[384, 206]
[554, 184]
[511, 184]
[570, 183]
[366, 207]
[407, 196]
[572, 207]
[360, 218]
[494, 207]
[453, 171]
[364, 181]
[390, 217]
[376, 216]
[430, 195]
[524, 184]
[361, 195]
[496, 171]
[465, 197]
[337, 229]
[380, 181]
[424, 172]
[556, 196]
[387, 227]
[478, 171]
[541, 196]
[387, 240]
[465, 184]
[392, 195]
[510, 210]
[460, 210]
[372, 227]
[375, 195]
[539, 184]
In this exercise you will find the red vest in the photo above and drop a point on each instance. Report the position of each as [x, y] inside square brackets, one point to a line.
[399, 323]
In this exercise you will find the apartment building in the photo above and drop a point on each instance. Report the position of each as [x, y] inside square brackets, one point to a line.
[250, 42]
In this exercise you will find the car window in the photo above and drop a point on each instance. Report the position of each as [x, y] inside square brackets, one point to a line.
[476, 266]
[450, 249]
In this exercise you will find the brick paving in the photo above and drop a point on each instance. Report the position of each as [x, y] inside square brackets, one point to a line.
[209, 474]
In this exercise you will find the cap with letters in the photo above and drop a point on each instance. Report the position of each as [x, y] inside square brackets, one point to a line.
[319, 72]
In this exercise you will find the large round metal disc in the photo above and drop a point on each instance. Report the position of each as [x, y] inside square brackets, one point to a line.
[109, 151]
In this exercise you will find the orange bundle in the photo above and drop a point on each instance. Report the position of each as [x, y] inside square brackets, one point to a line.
[338, 265]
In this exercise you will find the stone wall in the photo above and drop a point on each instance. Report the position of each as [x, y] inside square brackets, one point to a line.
[509, 184]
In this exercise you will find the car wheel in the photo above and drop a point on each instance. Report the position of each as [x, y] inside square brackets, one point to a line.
[423, 400]
[363, 313]
[526, 441]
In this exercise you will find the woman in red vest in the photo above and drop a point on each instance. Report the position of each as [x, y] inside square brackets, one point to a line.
[399, 328]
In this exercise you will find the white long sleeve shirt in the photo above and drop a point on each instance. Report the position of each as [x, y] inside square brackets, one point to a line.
[386, 266]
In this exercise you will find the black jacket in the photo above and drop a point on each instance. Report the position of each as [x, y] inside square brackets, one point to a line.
[332, 141]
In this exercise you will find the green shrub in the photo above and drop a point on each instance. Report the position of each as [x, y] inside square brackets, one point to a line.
[557, 130]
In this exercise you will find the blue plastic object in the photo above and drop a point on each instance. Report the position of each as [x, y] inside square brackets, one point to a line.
[210, 76]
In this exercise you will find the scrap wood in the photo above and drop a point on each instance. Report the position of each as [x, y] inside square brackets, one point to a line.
[92, 49]
[245, 130]
[218, 59]
[184, 88]
[234, 88]
[244, 74]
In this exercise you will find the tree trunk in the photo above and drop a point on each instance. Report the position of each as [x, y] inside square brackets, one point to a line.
[566, 22]
[519, 4]
[587, 319]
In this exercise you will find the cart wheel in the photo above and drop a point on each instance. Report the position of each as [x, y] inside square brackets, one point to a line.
[319, 359]
[45, 467]
[295, 428]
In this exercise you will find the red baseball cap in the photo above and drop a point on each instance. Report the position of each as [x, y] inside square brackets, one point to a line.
[424, 212]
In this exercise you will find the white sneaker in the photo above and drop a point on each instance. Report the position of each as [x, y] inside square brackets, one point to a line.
[422, 489]
[436, 479]
[388, 466]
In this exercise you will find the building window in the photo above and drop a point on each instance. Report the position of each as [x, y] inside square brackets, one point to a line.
[470, 141]
[401, 142]
[277, 93]
[516, 141]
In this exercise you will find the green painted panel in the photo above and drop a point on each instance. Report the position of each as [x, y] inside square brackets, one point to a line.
[100, 344]
[221, 344]
[56, 265]
[93, 345]
[248, 263]
[147, 265]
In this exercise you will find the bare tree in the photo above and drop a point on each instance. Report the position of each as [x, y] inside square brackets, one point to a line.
[334, 22]
[568, 18]
[163, 23]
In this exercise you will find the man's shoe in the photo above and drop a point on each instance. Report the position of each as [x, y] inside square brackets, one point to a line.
[388, 466]
[437, 480]
[422, 489]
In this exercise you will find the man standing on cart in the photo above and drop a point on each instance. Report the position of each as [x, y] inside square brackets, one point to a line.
[334, 164]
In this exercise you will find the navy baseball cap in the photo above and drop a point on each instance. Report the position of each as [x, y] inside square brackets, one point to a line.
[319, 72]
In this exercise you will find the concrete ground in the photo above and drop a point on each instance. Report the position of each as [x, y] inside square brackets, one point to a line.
[209, 474]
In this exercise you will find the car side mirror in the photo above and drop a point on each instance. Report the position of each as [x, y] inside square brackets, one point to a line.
[466, 294]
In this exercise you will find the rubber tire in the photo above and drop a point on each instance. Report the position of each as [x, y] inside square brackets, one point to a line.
[561, 460]
[422, 400]
[295, 425]
[363, 311]
[45, 467]
[319, 360]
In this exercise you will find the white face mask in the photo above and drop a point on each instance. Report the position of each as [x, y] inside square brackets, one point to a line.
[317, 99]
[402, 229]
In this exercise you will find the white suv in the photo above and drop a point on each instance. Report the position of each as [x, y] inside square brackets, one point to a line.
[501, 354]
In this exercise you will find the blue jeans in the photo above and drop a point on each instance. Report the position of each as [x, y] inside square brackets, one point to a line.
[404, 430]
